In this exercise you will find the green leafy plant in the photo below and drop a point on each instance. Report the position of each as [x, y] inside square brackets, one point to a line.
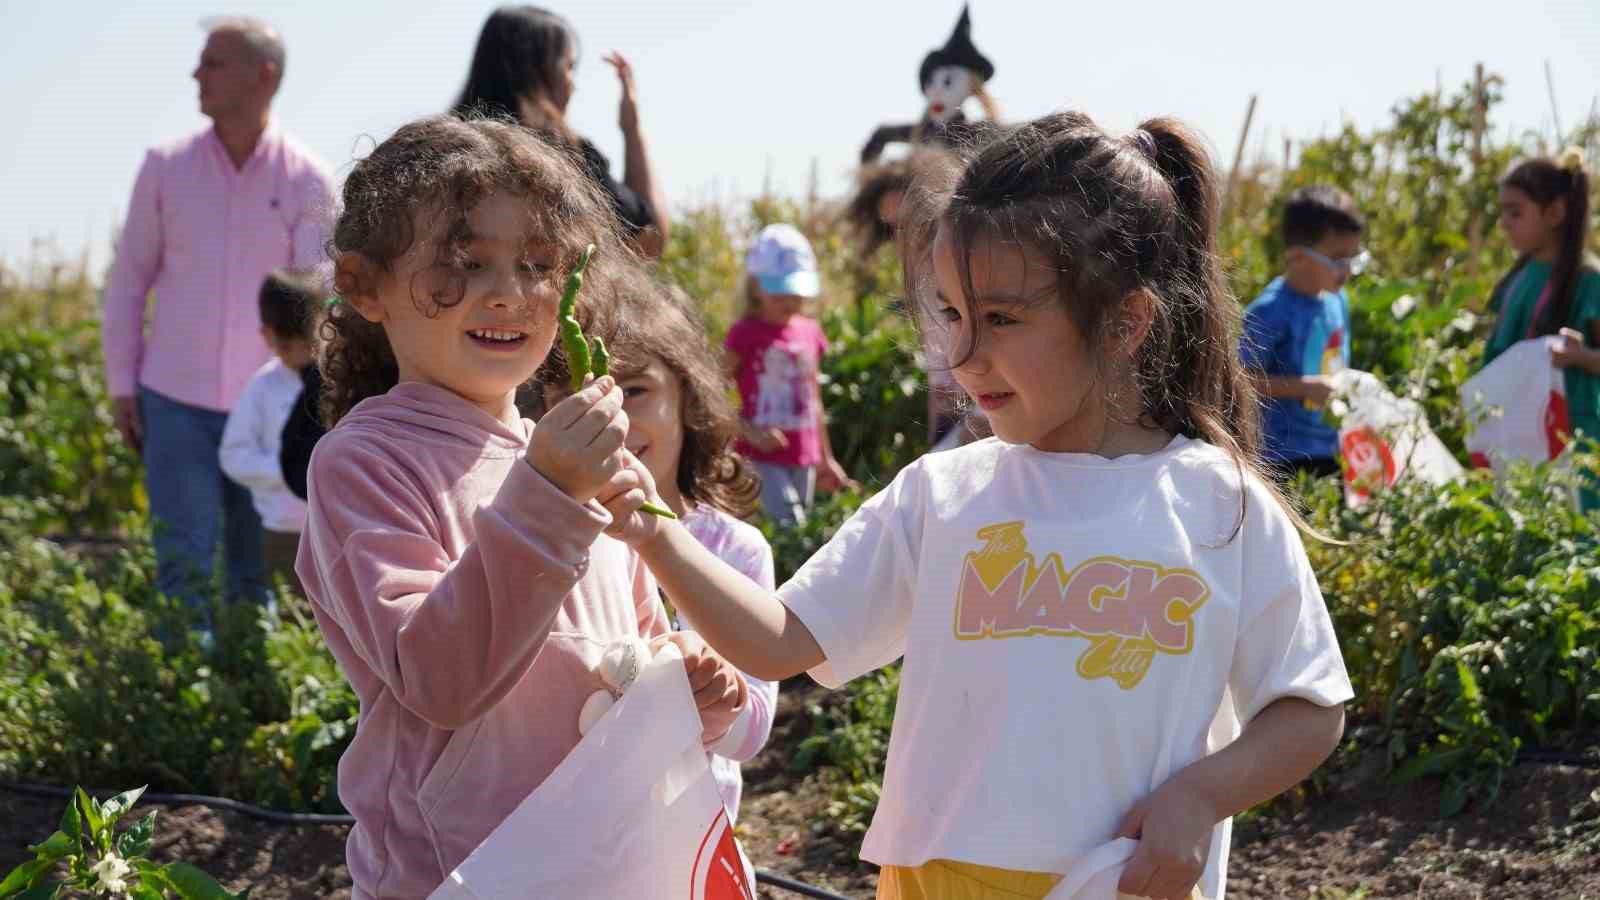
[1468, 621]
[851, 736]
[89, 648]
[791, 547]
[100, 860]
[874, 391]
[60, 457]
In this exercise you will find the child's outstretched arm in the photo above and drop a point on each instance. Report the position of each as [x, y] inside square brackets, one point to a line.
[741, 620]
[1282, 745]
[744, 622]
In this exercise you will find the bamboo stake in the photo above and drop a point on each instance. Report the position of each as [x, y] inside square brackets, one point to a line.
[1550, 83]
[1238, 157]
[1480, 111]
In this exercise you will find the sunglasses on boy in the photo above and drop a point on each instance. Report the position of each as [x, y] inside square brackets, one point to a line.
[1345, 265]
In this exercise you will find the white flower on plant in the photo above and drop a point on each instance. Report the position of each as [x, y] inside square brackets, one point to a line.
[111, 873]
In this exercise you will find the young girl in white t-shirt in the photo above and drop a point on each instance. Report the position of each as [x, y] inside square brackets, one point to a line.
[1113, 640]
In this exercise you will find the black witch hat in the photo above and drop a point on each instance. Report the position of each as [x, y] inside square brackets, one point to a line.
[958, 51]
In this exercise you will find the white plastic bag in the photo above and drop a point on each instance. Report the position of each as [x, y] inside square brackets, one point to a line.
[1519, 406]
[633, 811]
[1384, 438]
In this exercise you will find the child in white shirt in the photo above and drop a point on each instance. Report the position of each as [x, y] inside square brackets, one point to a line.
[250, 441]
[1113, 639]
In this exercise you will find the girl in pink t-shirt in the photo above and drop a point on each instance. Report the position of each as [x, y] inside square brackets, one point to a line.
[682, 426]
[456, 557]
[773, 354]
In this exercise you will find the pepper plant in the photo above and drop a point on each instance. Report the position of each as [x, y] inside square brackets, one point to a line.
[99, 860]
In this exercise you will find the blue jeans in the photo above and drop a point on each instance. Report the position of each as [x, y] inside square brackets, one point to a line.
[193, 506]
[787, 492]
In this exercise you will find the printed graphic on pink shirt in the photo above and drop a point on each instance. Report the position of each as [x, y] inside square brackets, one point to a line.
[1129, 610]
[777, 380]
[783, 389]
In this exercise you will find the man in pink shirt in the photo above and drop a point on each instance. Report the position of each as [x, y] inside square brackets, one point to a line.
[211, 214]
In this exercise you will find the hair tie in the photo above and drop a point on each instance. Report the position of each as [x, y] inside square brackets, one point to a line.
[331, 302]
[1144, 142]
[1571, 159]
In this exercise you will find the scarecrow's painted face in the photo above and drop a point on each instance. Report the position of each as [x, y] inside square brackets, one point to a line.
[948, 87]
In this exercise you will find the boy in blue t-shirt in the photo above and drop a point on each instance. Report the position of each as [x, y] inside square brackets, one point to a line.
[1297, 333]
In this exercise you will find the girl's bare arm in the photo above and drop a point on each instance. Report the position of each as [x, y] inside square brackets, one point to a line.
[1282, 745]
[745, 623]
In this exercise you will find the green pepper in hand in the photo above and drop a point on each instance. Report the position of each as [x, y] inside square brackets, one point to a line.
[581, 361]
[572, 340]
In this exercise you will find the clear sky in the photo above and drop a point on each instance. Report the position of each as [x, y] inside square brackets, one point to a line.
[733, 93]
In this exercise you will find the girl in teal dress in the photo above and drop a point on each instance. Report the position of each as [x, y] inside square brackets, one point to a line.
[1554, 289]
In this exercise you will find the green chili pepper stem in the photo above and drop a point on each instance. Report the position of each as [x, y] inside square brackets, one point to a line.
[655, 510]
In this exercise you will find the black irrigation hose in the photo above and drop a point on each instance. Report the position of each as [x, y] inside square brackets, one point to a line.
[1538, 757]
[270, 815]
[289, 818]
[796, 887]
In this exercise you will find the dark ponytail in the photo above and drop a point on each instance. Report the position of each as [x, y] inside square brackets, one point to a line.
[1198, 386]
[1546, 181]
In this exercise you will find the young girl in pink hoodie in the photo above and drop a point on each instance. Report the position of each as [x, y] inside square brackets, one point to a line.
[455, 555]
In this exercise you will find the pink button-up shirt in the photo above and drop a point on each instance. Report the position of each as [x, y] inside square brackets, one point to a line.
[202, 234]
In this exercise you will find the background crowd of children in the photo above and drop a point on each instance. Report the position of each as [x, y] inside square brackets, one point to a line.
[468, 567]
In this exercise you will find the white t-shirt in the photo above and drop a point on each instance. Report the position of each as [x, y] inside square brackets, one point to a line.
[250, 443]
[1073, 628]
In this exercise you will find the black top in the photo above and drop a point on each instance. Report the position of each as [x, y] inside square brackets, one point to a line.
[631, 207]
[957, 132]
[301, 431]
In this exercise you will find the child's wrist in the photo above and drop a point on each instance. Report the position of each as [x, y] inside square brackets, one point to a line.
[657, 544]
[554, 482]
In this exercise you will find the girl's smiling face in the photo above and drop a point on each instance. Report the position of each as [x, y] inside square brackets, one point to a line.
[1026, 362]
[494, 339]
[653, 400]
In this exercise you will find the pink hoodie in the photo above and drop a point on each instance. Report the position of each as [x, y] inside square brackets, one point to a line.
[467, 600]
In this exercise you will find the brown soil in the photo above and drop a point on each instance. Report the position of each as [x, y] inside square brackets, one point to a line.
[1362, 839]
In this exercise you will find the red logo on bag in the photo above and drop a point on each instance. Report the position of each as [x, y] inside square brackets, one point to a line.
[718, 868]
[1556, 424]
[1370, 462]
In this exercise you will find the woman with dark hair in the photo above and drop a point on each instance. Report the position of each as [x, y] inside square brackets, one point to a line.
[522, 69]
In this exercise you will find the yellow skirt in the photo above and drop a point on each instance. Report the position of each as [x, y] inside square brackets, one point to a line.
[943, 879]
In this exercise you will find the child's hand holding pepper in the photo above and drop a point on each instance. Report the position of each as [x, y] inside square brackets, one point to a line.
[578, 444]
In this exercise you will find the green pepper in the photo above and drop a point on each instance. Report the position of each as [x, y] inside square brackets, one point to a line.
[572, 340]
[581, 361]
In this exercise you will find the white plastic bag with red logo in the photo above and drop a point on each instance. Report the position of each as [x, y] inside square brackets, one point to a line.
[1519, 406]
[1384, 438]
[633, 811]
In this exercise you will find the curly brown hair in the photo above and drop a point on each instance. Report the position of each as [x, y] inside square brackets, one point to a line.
[429, 175]
[644, 321]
